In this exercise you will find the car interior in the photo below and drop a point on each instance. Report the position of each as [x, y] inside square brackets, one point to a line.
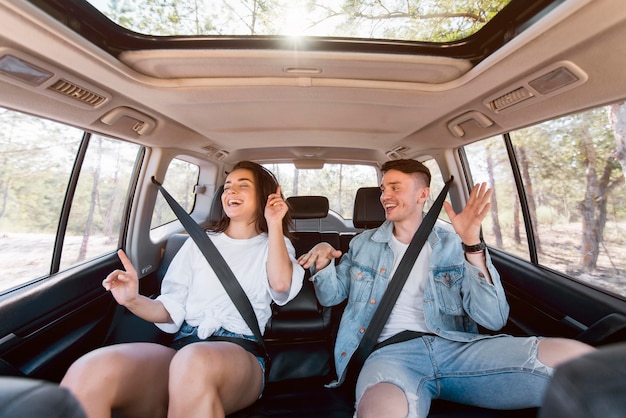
[123, 103]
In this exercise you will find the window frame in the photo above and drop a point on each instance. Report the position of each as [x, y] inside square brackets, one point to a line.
[530, 229]
[67, 200]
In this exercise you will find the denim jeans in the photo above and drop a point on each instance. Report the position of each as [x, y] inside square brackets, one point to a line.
[500, 373]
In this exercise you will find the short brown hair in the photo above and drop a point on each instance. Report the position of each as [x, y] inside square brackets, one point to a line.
[408, 167]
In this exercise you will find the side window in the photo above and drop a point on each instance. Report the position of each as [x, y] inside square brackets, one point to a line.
[97, 211]
[39, 163]
[504, 227]
[436, 185]
[180, 179]
[572, 170]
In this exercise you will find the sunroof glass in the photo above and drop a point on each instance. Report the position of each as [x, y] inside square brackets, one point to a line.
[405, 20]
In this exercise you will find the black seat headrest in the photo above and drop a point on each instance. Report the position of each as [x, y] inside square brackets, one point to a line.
[308, 207]
[368, 212]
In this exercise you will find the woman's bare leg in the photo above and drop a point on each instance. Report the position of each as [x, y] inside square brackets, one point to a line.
[213, 379]
[131, 379]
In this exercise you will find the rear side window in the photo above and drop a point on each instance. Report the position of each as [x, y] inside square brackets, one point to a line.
[571, 217]
[436, 185]
[180, 179]
[62, 196]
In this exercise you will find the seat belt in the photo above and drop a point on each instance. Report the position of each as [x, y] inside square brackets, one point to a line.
[218, 264]
[387, 302]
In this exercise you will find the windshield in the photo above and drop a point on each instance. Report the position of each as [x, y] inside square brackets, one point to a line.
[338, 182]
[413, 20]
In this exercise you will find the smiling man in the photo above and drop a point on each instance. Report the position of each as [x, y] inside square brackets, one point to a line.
[452, 288]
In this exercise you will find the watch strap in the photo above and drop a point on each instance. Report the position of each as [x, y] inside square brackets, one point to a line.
[481, 246]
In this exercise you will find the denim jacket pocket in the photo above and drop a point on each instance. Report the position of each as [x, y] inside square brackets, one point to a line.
[448, 288]
[361, 282]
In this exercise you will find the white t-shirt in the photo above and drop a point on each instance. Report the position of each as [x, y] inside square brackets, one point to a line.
[408, 313]
[192, 292]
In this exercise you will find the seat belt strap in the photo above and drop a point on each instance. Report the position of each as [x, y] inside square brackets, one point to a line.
[218, 264]
[387, 302]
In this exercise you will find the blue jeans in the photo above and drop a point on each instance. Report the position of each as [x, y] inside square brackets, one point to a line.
[498, 373]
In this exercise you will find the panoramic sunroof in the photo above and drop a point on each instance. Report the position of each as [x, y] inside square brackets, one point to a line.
[465, 29]
[412, 20]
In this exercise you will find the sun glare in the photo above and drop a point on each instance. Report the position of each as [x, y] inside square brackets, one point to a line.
[295, 21]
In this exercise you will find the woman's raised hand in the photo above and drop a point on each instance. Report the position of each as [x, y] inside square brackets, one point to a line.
[275, 208]
[123, 284]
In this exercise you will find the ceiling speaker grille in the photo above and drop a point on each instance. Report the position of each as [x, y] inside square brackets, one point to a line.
[76, 92]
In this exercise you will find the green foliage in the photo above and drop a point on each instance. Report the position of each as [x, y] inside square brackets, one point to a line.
[419, 20]
[35, 161]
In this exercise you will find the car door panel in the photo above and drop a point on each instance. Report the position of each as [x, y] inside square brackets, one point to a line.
[47, 325]
[546, 303]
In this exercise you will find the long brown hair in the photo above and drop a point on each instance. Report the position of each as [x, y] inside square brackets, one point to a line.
[265, 183]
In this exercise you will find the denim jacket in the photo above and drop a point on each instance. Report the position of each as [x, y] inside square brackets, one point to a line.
[457, 295]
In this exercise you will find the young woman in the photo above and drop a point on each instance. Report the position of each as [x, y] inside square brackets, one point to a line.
[197, 376]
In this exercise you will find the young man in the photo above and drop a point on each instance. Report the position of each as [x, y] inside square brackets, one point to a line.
[453, 287]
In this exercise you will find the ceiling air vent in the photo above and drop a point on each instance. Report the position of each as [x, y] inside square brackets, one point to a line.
[76, 92]
[213, 152]
[396, 153]
[509, 99]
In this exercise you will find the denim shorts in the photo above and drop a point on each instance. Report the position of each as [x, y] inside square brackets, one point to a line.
[188, 334]
[500, 372]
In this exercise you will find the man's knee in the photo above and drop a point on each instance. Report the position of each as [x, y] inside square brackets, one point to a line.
[589, 386]
[383, 399]
[555, 351]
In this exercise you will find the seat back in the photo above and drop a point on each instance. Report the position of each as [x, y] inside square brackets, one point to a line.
[368, 212]
[307, 213]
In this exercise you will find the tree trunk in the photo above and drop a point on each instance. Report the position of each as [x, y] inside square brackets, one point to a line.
[495, 221]
[530, 198]
[617, 117]
[296, 181]
[109, 221]
[594, 205]
[516, 222]
[340, 203]
[82, 254]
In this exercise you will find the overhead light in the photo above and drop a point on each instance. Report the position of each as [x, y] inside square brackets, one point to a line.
[24, 71]
[553, 80]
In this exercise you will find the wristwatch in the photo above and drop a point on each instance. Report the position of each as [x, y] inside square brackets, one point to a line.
[474, 248]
